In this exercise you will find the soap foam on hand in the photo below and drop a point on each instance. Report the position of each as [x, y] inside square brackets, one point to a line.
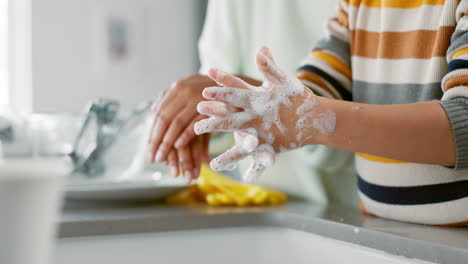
[266, 120]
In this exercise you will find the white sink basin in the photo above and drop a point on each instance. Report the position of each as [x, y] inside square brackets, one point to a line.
[218, 246]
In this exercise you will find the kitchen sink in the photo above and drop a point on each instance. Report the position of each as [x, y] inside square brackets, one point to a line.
[219, 245]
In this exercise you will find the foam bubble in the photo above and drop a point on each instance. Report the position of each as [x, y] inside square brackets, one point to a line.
[325, 123]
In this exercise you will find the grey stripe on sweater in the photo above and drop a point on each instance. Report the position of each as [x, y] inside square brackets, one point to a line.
[337, 46]
[458, 39]
[383, 93]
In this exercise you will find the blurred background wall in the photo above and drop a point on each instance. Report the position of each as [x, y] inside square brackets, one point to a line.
[128, 50]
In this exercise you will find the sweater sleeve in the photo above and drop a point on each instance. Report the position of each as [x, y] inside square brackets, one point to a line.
[218, 44]
[327, 69]
[455, 86]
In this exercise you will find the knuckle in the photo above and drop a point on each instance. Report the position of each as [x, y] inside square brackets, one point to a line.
[172, 158]
[184, 137]
[178, 123]
[189, 131]
[178, 84]
[162, 116]
[162, 146]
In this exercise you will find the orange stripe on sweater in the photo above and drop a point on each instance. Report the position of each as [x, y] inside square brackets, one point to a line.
[313, 78]
[394, 3]
[342, 18]
[456, 81]
[378, 159]
[459, 224]
[418, 44]
[335, 62]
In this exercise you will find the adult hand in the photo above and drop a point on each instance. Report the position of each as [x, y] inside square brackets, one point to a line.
[272, 118]
[189, 158]
[175, 114]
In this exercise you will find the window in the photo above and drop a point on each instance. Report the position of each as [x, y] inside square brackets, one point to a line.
[15, 56]
[4, 88]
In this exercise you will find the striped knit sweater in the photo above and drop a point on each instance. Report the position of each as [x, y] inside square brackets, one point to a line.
[396, 52]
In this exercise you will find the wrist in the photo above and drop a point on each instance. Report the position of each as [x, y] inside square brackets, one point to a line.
[323, 125]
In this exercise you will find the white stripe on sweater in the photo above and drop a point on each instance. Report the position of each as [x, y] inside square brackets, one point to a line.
[433, 214]
[336, 30]
[324, 66]
[317, 89]
[401, 71]
[401, 19]
[459, 91]
[406, 174]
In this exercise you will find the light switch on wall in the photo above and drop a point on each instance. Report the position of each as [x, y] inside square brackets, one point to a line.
[119, 40]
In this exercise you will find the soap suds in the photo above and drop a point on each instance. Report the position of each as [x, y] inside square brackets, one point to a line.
[325, 122]
[247, 139]
[306, 106]
[261, 105]
[246, 142]
[282, 149]
[264, 157]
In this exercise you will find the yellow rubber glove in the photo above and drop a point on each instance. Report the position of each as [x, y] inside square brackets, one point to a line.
[215, 189]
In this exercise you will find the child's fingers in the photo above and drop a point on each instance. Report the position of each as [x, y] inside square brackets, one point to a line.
[247, 139]
[266, 51]
[246, 142]
[214, 108]
[214, 124]
[268, 68]
[233, 96]
[229, 123]
[264, 157]
[226, 79]
[228, 159]
[253, 172]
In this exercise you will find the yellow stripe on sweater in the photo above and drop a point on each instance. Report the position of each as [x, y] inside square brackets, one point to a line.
[337, 64]
[378, 159]
[460, 53]
[394, 3]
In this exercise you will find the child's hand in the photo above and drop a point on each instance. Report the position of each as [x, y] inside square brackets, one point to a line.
[268, 119]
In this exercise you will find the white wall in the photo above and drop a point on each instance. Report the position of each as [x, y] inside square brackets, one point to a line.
[4, 95]
[70, 63]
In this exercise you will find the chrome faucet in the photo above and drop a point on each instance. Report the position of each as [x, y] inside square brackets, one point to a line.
[86, 155]
[6, 130]
[103, 113]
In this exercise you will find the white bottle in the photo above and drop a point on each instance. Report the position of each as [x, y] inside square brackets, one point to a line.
[30, 198]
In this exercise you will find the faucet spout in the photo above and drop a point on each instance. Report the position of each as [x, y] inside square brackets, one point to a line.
[86, 157]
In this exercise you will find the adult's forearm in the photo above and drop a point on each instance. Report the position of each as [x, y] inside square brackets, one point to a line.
[418, 132]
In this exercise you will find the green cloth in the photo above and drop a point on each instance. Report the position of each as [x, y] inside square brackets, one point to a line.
[233, 32]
